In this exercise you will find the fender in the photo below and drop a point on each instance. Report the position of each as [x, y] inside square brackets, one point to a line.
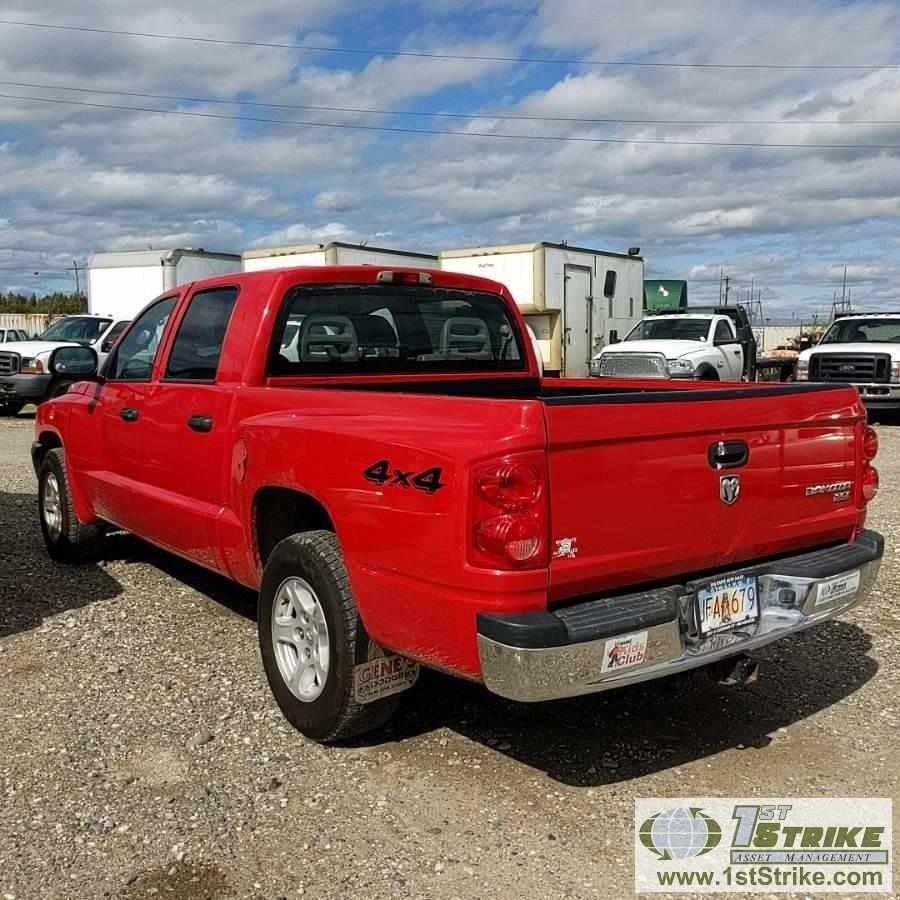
[82, 507]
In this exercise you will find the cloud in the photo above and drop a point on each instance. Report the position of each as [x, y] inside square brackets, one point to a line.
[298, 234]
[75, 179]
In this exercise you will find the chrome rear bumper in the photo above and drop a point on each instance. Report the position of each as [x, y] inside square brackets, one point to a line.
[539, 656]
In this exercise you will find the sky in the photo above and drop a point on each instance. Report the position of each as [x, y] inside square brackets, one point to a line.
[76, 179]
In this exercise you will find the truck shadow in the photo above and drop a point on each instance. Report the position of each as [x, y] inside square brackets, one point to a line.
[233, 597]
[31, 586]
[607, 738]
[616, 736]
[604, 739]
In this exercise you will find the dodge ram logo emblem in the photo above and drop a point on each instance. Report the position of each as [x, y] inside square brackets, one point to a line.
[729, 489]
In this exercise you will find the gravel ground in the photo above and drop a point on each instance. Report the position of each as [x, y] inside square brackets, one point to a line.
[141, 753]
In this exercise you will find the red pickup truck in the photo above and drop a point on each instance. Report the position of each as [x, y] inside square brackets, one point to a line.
[375, 452]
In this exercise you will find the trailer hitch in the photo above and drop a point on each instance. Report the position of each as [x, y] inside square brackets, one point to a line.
[734, 672]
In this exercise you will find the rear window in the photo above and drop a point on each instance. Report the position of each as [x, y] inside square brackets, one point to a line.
[388, 329]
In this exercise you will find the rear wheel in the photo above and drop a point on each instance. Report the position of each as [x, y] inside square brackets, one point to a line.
[311, 638]
[66, 538]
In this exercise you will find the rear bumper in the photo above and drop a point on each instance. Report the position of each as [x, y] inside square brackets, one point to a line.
[23, 388]
[547, 655]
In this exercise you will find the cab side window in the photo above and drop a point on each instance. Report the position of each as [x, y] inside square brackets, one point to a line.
[723, 332]
[198, 344]
[134, 357]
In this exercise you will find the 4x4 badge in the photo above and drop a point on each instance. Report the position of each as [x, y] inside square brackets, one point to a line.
[729, 489]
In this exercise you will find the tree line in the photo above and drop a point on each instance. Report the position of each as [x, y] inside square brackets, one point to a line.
[55, 304]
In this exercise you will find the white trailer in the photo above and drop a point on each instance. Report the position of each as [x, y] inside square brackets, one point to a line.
[333, 254]
[120, 284]
[575, 299]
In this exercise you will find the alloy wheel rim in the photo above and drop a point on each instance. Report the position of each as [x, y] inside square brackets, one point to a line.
[300, 639]
[51, 506]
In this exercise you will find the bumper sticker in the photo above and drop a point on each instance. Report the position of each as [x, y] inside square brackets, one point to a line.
[837, 588]
[622, 652]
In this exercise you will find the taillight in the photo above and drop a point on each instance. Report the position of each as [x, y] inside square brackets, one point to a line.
[512, 486]
[870, 444]
[509, 518]
[869, 484]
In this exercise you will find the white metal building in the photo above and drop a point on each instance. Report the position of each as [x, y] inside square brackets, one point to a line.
[333, 254]
[575, 299]
[120, 284]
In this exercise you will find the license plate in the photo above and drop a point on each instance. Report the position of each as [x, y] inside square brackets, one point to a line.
[727, 603]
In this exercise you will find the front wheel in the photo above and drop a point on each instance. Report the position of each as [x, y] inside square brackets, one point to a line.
[11, 409]
[67, 539]
[311, 638]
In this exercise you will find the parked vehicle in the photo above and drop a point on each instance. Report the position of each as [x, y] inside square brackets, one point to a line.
[25, 375]
[374, 451]
[120, 284]
[335, 253]
[704, 343]
[862, 349]
[8, 335]
[576, 300]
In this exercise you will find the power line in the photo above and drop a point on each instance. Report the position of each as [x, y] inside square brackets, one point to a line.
[445, 115]
[437, 131]
[360, 51]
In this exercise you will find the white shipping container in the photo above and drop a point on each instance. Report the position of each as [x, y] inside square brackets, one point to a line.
[121, 284]
[333, 254]
[576, 299]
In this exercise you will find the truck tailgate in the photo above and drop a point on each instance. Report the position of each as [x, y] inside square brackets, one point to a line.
[637, 498]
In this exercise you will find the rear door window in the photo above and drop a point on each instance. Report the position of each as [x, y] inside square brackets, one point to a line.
[390, 329]
[723, 332]
[198, 344]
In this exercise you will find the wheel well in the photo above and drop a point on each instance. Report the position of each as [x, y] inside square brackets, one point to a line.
[47, 441]
[281, 512]
[705, 372]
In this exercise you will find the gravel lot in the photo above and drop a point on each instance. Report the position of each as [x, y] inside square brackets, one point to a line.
[141, 754]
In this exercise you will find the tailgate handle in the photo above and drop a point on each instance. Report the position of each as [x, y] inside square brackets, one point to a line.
[129, 414]
[728, 454]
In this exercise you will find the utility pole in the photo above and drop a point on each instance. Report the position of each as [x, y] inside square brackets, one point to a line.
[75, 268]
[727, 288]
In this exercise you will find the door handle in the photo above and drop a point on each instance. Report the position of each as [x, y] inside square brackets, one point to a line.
[201, 423]
[129, 413]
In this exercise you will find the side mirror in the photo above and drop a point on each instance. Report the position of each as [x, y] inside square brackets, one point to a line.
[75, 363]
[614, 336]
[107, 345]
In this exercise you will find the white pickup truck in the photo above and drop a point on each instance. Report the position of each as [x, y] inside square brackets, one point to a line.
[861, 349]
[703, 346]
[24, 365]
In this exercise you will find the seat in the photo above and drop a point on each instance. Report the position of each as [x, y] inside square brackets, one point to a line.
[466, 337]
[328, 338]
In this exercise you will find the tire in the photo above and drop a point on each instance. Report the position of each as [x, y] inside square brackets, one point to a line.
[11, 409]
[67, 540]
[707, 374]
[311, 566]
